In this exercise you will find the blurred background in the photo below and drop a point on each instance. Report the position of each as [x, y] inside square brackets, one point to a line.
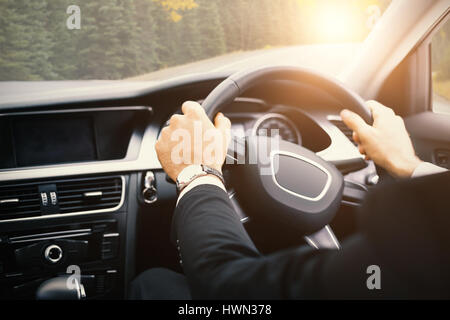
[440, 64]
[127, 38]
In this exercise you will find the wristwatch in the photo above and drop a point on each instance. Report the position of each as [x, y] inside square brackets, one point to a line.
[194, 171]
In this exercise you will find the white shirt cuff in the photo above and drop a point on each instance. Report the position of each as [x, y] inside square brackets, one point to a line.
[201, 181]
[426, 168]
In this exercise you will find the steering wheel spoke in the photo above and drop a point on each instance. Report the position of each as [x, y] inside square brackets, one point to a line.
[237, 151]
[323, 239]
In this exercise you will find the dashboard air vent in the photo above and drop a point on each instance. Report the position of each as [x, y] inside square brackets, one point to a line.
[54, 197]
[89, 194]
[19, 201]
[344, 129]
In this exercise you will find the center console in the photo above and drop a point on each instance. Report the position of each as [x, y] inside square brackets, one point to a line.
[41, 254]
[68, 185]
[82, 227]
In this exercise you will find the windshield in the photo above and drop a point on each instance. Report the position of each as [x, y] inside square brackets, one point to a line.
[133, 39]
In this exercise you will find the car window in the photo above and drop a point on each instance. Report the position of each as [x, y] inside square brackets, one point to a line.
[440, 65]
[142, 39]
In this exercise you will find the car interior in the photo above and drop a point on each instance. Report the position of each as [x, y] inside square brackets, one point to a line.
[80, 182]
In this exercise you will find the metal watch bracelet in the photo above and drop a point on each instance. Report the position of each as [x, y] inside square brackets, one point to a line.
[205, 171]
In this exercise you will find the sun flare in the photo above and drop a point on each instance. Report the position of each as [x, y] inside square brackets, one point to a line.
[335, 23]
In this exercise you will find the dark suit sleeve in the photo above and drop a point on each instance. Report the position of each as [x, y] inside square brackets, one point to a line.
[221, 261]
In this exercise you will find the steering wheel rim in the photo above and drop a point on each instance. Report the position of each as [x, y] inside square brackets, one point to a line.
[312, 215]
[238, 83]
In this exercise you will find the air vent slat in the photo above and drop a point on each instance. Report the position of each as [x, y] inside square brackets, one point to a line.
[82, 201]
[19, 207]
[83, 190]
[75, 196]
[19, 201]
[32, 212]
[85, 207]
[5, 194]
[28, 200]
[24, 214]
[71, 194]
[88, 183]
[93, 186]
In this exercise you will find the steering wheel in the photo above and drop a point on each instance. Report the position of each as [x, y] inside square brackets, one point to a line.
[280, 179]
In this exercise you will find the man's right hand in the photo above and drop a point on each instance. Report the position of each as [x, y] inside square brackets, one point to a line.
[386, 142]
[209, 146]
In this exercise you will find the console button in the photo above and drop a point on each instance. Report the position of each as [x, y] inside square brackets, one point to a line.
[53, 253]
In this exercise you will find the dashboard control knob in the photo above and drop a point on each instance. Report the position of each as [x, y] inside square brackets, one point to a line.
[53, 253]
[149, 193]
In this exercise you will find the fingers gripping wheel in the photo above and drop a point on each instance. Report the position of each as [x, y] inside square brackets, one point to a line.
[290, 183]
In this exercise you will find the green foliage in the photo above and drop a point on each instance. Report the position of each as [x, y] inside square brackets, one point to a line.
[146, 28]
[110, 30]
[444, 66]
[125, 38]
[209, 29]
[441, 52]
[25, 44]
[63, 53]
[188, 29]
[174, 7]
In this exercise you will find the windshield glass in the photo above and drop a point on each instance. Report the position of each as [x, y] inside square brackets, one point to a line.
[133, 39]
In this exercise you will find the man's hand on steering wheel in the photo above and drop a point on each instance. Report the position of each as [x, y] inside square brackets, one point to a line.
[266, 181]
[207, 145]
[386, 142]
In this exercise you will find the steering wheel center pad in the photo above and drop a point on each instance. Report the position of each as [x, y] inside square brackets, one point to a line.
[291, 184]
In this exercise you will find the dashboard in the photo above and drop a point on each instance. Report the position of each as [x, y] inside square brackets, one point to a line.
[80, 182]
[34, 139]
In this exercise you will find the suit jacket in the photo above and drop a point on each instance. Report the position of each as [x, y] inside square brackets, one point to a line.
[404, 228]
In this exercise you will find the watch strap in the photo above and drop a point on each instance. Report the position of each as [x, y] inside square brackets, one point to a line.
[205, 170]
[214, 172]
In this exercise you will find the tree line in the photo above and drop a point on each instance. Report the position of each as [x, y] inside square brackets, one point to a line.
[125, 38]
[440, 52]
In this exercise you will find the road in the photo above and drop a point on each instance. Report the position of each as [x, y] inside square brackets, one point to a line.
[441, 104]
[328, 58]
